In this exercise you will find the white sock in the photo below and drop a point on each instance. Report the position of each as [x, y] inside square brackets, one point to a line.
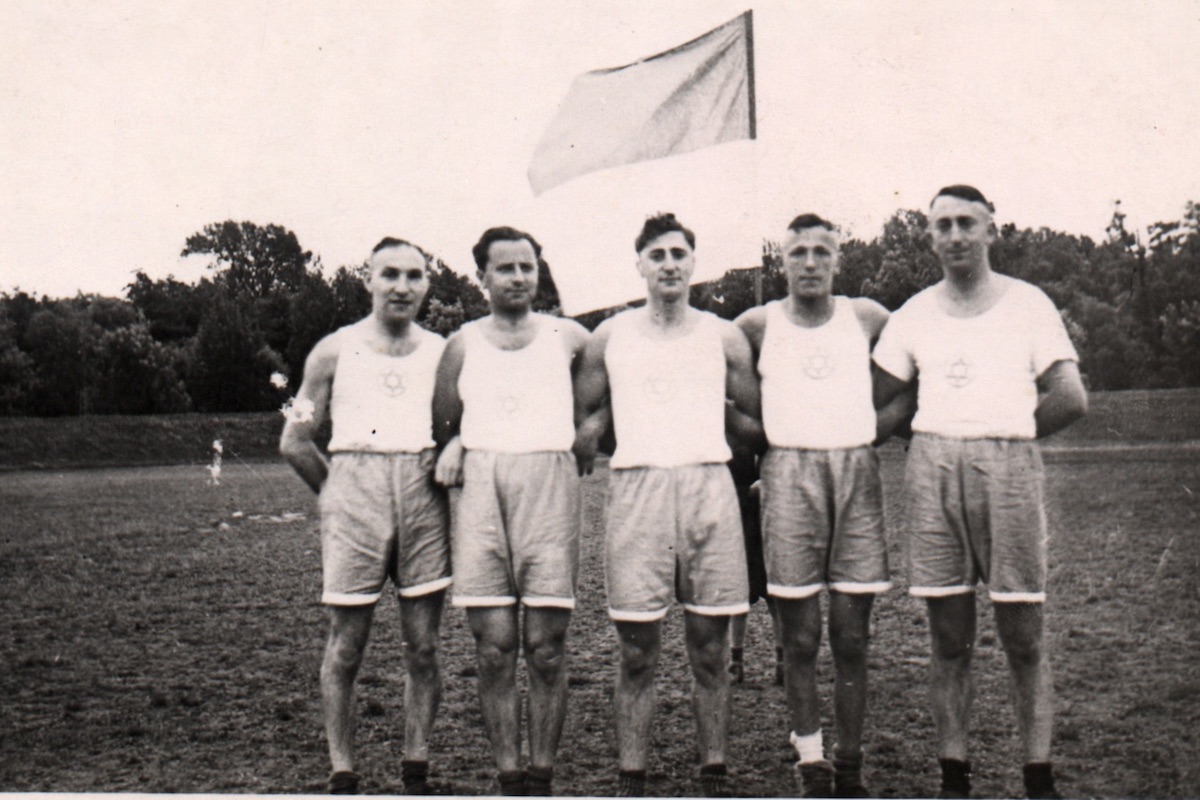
[809, 748]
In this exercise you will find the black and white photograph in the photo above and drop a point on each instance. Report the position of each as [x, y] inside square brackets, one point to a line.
[783, 399]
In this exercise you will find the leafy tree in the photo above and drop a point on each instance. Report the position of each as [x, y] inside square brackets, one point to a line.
[136, 375]
[16, 367]
[454, 299]
[908, 264]
[231, 364]
[250, 259]
[60, 339]
[171, 308]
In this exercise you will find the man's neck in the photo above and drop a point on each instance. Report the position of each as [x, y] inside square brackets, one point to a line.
[511, 319]
[391, 329]
[810, 311]
[969, 284]
[667, 313]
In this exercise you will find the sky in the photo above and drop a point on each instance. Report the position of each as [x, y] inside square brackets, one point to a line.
[126, 126]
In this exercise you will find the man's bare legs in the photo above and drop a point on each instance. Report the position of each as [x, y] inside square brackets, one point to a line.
[546, 658]
[496, 645]
[349, 627]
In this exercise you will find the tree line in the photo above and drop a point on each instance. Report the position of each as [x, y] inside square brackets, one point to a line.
[1131, 304]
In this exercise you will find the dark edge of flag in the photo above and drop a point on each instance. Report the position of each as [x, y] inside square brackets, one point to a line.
[749, 18]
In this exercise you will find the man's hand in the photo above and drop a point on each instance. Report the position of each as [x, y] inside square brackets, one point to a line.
[587, 444]
[449, 472]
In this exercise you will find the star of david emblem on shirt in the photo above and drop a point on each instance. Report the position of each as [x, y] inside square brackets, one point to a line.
[958, 374]
[659, 390]
[510, 404]
[392, 383]
[817, 365]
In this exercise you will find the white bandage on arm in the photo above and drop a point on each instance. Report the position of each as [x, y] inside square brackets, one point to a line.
[298, 409]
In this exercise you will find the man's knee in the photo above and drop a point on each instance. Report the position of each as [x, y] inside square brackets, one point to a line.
[706, 640]
[639, 657]
[1020, 628]
[849, 642]
[801, 642]
[348, 631]
[420, 656]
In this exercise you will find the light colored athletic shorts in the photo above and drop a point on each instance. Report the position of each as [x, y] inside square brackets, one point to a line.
[975, 512]
[516, 530]
[823, 522]
[674, 533]
[382, 516]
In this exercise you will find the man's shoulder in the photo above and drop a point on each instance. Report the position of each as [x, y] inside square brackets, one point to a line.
[1025, 291]
[920, 302]
[753, 321]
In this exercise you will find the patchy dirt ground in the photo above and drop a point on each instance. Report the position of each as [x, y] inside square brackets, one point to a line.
[161, 634]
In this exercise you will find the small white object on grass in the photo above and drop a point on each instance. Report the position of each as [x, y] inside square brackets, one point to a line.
[279, 380]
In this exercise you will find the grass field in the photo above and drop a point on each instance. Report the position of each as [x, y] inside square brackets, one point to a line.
[162, 634]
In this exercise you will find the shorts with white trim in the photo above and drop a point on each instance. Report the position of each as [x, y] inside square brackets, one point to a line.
[976, 513]
[382, 517]
[823, 522]
[516, 530]
[674, 533]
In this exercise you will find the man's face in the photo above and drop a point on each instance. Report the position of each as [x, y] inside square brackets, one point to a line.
[961, 231]
[667, 264]
[810, 259]
[511, 275]
[398, 283]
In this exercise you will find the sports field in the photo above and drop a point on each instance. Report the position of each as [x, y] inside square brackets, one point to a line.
[159, 633]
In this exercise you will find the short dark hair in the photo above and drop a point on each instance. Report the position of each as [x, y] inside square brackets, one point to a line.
[963, 192]
[805, 221]
[659, 224]
[391, 241]
[501, 234]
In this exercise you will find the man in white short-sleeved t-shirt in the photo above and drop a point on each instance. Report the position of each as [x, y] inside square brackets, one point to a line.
[996, 371]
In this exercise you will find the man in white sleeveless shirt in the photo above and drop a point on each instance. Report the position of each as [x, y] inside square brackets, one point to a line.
[381, 514]
[822, 499]
[504, 411]
[674, 530]
[996, 371]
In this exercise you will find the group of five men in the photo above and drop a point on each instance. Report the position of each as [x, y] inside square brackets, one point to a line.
[514, 409]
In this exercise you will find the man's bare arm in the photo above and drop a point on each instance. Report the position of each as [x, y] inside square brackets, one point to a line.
[1061, 398]
[593, 415]
[447, 414]
[895, 404]
[306, 413]
[743, 409]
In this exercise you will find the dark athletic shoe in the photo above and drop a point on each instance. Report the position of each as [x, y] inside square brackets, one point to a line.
[814, 780]
[512, 784]
[343, 783]
[956, 779]
[1039, 782]
[631, 783]
[847, 777]
[714, 781]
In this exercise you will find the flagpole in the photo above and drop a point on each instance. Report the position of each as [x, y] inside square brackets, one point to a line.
[750, 71]
[758, 270]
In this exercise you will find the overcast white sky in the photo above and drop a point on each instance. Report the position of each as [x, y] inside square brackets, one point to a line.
[126, 126]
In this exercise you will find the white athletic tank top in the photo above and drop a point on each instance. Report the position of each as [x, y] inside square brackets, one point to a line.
[816, 382]
[668, 396]
[517, 401]
[382, 403]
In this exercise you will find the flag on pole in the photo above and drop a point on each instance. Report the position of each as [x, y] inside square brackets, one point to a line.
[693, 96]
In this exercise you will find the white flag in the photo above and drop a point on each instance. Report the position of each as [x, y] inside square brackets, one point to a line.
[693, 96]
